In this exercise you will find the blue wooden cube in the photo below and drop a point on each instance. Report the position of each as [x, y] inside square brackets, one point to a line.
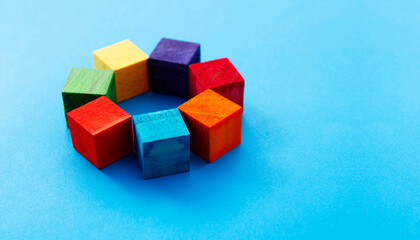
[168, 66]
[162, 143]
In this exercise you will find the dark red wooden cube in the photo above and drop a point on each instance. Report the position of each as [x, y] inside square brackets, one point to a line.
[219, 75]
[101, 131]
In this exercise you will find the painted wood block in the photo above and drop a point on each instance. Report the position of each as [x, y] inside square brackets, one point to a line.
[219, 75]
[215, 124]
[168, 66]
[130, 66]
[162, 143]
[84, 85]
[101, 131]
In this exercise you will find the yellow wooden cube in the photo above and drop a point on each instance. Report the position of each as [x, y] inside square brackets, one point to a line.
[130, 66]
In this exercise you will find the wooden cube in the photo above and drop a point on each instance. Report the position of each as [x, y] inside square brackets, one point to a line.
[101, 131]
[215, 124]
[162, 143]
[219, 75]
[84, 85]
[130, 66]
[168, 66]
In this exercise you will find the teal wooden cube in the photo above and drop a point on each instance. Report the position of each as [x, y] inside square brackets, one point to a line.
[162, 143]
[85, 85]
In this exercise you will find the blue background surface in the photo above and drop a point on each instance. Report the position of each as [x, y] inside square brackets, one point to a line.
[331, 129]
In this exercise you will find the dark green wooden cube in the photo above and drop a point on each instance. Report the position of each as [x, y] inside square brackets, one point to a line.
[85, 85]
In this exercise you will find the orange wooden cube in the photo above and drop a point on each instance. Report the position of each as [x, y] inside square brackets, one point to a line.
[214, 122]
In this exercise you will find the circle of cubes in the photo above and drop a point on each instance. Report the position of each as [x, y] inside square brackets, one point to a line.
[209, 124]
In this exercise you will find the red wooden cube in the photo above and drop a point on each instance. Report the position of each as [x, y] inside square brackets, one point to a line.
[219, 75]
[101, 131]
[214, 122]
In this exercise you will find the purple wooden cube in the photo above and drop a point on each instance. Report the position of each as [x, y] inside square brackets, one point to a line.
[168, 66]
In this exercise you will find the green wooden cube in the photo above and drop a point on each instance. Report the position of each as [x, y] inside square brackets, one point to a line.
[85, 85]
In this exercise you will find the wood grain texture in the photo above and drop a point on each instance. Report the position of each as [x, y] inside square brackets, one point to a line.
[219, 75]
[162, 143]
[85, 85]
[168, 66]
[214, 122]
[101, 131]
[130, 66]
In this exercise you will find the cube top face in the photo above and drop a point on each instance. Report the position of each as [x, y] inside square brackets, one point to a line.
[120, 55]
[215, 73]
[209, 108]
[89, 81]
[175, 51]
[98, 115]
[151, 127]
